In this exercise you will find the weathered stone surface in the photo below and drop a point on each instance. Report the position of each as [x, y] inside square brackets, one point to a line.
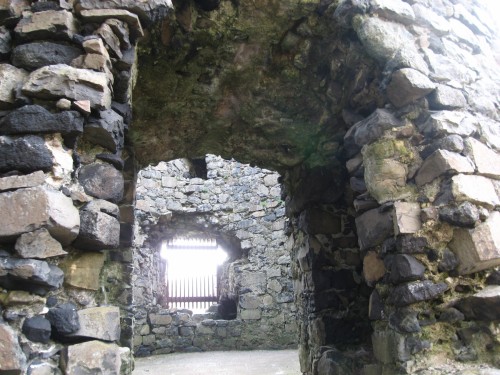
[5, 42]
[408, 85]
[83, 270]
[37, 329]
[95, 46]
[370, 129]
[107, 131]
[35, 55]
[448, 261]
[386, 168]
[102, 323]
[146, 10]
[36, 119]
[408, 244]
[394, 10]
[92, 357]
[160, 319]
[100, 205]
[448, 122]
[427, 17]
[475, 189]
[47, 25]
[314, 221]
[26, 181]
[407, 294]
[38, 244]
[12, 358]
[373, 268]
[373, 228]
[47, 208]
[96, 62]
[25, 154]
[487, 161]
[333, 362]
[405, 321]
[10, 79]
[64, 81]
[251, 314]
[121, 30]
[453, 143]
[29, 274]
[64, 319]
[484, 305]
[389, 346]
[98, 231]
[389, 41]
[406, 217]
[446, 97]
[464, 215]
[443, 162]
[479, 248]
[111, 40]
[405, 268]
[102, 181]
[40, 367]
[101, 15]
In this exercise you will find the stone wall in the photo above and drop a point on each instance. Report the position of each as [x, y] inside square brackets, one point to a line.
[241, 207]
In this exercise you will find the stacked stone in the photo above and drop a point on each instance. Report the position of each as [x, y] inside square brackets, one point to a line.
[66, 74]
[241, 206]
[426, 172]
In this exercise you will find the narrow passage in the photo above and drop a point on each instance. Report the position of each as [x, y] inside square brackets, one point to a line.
[256, 362]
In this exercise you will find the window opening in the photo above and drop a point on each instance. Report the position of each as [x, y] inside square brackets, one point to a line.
[192, 272]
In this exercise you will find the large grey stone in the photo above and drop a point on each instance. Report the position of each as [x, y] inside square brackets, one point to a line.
[36, 119]
[92, 357]
[407, 294]
[394, 10]
[464, 215]
[408, 85]
[11, 78]
[487, 161]
[110, 39]
[370, 129]
[38, 207]
[25, 154]
[5, 42]
[28, 274]
[83, 270]
[406, 217]
[34, 55]
[101, 15]
[476, 189]
[446, 97]
[425, 16]
[443, 162]
[147, 11]
[98, 231]
[12, 358]
[106, 131]
[64, 81]
[373, 227]
[389, 41]
[448, 122]
[38, 244]
[102, 323]
[102, 181]
[25, 181]
[50, 24]
[64, 318]
[37, 329]
[484, 305]
[479, 248]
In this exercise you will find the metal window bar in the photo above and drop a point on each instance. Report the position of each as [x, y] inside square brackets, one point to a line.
[193, 293]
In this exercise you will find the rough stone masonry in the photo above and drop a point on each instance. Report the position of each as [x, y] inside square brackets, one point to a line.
[380, 115]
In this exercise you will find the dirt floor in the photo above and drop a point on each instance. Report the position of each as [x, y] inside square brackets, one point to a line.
[256, 362]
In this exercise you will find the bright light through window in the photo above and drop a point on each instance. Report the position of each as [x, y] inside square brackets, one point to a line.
[192, 262]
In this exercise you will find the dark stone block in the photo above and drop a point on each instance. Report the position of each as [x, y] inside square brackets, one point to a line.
[451, 315]
[494, 278]
[315, 221]
[32, 56]
[373, 227]
[41, 6]
[98, 231]
[37, 329]
[376, 307]
[25, 154]
[484, 305]
[64, 319]
[208, 5]
[406, 294]
[106, 131]
[121, 87]
[405, 268]
[409, 244]
[448, 262]
[453, 143]
[465, 215]
[102, 181]
[405, 321]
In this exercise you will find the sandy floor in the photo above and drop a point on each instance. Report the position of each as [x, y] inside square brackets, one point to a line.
[257, 362]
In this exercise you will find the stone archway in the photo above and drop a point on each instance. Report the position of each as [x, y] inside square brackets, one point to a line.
[382, 117]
